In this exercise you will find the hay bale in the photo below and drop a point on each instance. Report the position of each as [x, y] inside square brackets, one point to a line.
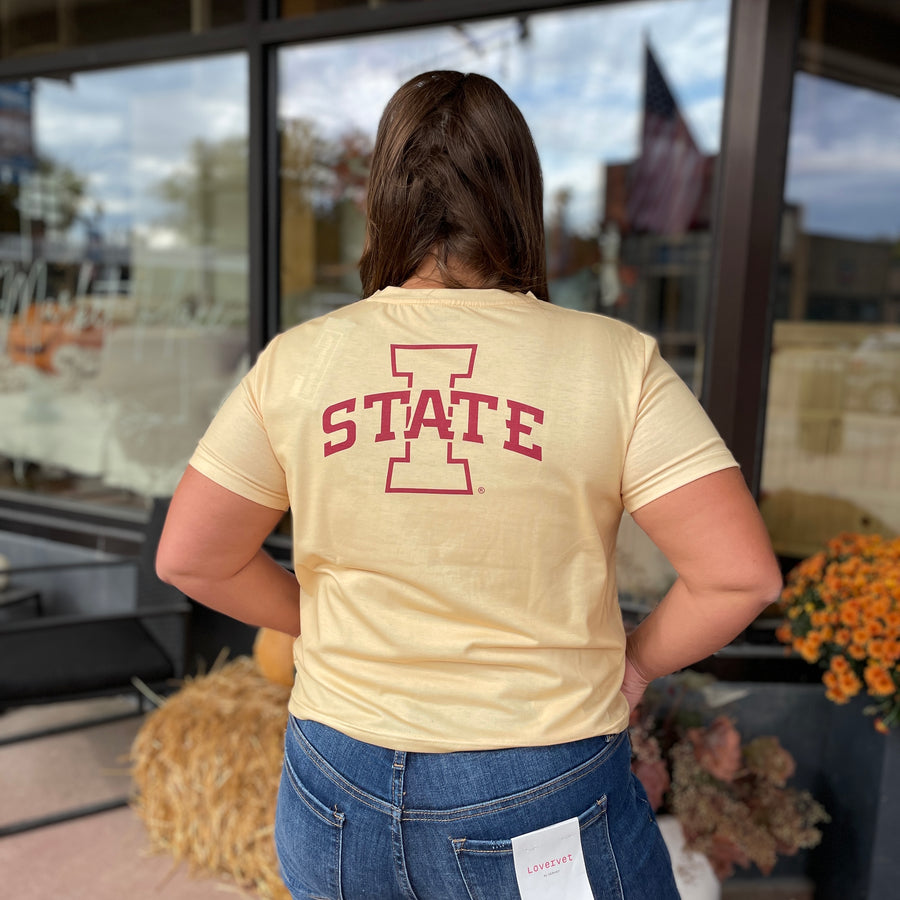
[206, 765]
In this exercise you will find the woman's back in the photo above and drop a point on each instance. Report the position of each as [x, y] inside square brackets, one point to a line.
[456, 463]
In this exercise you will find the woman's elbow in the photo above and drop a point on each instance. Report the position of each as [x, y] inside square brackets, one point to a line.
[172, 566]
[753, 586]
[771, 591]
[165, 572]
[762, 585]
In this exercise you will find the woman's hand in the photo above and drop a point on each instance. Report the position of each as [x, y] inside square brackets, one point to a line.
[633, 685]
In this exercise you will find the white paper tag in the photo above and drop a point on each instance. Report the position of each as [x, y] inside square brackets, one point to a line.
[550, 863]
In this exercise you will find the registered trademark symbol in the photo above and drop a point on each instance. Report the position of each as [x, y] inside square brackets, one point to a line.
[481, 490]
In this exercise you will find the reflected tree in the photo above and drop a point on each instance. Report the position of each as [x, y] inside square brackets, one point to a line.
[323, 183]
[206, 221]
[207, 197]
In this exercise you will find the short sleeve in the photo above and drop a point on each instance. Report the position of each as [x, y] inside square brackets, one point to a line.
[236, 453]
[673, 441]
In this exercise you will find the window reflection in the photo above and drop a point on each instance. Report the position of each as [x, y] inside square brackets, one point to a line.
[832, 442]
[123, 273]
[625, 105]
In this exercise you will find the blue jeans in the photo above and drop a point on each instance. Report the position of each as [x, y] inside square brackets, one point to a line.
[355, 820]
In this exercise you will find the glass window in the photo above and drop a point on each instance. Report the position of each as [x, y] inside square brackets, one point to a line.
[43, 26]
[123, 273]
[625, 104]
[832, 443]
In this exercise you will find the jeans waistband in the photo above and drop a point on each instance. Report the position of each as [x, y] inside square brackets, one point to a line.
[469, 777]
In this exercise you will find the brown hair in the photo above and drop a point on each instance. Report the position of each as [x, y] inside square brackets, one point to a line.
[455, 174]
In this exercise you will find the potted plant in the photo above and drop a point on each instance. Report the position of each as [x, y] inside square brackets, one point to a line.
[730, 798]
[841, 611]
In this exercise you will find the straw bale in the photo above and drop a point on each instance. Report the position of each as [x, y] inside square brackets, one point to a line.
[206, 765]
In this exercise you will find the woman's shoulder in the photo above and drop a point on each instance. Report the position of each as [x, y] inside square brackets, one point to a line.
[311, 330]
[598, 327]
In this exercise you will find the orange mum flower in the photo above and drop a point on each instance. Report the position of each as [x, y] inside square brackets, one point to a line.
[842, 610]
[839, 665]
[876, 649]
[879, 681]
[850, 684]
[808, 649]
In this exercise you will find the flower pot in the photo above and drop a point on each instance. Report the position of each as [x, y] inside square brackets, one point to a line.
[694, 875]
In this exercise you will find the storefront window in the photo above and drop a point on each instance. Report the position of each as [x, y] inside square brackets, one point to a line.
[625, 104]
[44, 26]
[832, 443]
[123, 273]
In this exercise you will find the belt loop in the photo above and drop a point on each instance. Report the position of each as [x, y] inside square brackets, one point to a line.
[399, 768]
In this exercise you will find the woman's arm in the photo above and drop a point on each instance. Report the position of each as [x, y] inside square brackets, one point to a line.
[712, 533]
[211, 550]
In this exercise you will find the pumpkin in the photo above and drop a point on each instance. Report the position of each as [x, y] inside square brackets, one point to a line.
[274, 655]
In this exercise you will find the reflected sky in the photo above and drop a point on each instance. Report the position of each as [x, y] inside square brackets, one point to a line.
[576, 74]
[127, 130]
[844, 159]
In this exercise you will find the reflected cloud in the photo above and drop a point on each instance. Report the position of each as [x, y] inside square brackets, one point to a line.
[128, 129]
[844, 159]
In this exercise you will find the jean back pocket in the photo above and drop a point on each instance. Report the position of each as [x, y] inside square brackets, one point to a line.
[488, 872]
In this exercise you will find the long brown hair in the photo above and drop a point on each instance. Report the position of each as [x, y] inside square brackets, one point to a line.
[455, 174]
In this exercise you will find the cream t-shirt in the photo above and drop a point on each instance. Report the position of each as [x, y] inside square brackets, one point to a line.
[456, 463]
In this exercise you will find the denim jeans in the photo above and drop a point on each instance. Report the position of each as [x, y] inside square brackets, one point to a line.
[355, 820]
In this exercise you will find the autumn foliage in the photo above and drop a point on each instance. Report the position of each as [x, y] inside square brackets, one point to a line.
[842, 612]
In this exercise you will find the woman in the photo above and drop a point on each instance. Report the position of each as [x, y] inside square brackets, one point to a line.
[456, 454]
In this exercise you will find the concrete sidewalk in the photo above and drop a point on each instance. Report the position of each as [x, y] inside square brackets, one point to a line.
[104, 856]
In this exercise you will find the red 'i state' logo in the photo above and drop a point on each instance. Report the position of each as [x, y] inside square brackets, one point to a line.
[433, 377]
